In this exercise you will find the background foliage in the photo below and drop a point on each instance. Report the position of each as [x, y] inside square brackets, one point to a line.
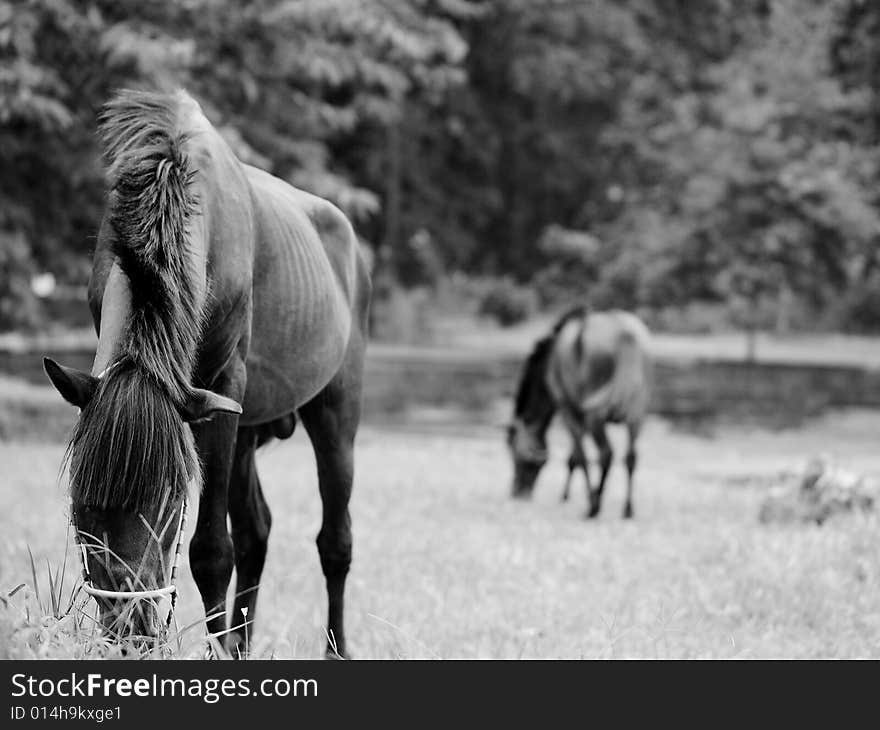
[653, 154]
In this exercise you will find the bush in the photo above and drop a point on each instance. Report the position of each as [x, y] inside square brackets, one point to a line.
[508, 303]
[19, 307]
[861, 308]
[694, 318]
[401, 316]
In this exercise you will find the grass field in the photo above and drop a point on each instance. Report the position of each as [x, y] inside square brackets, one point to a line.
[446, 565]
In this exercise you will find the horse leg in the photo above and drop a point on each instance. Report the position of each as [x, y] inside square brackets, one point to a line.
[331, 420]
[576, 460]
[606, 456]
[567, 486]
[210, 550]
[631, 459]
[251, 521]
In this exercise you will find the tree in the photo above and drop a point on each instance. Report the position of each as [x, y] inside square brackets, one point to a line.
[708, 152]
[303, 89]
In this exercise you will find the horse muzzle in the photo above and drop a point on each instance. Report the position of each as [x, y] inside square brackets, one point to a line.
[127, 620]
[525, 474]
[134, 610]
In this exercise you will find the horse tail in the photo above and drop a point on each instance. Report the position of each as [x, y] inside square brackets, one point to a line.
[578, 311]
[151, 206]
[625, 395]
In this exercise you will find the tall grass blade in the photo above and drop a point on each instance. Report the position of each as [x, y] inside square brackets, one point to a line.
[64, 563]
[199, 622]
[34, 576]
[53, 599]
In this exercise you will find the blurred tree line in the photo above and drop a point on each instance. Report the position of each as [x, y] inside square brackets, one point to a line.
[643, 153]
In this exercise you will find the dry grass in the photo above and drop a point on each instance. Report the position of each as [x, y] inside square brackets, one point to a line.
[447, 565]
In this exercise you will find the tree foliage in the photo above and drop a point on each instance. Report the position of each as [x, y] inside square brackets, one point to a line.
[644, 153]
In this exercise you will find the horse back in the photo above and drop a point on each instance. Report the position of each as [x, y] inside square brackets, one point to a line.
[310, 292]
[601, 365]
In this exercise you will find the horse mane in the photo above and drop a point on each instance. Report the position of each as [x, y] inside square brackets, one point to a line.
[533, 371]
[130, 445]
[151, 204]
[535, 366]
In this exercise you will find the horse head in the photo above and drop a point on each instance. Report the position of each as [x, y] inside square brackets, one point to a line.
[528, 449]
[132, 459]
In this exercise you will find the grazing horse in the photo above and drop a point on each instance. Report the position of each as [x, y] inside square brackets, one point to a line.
[594, 369]
[228, 305]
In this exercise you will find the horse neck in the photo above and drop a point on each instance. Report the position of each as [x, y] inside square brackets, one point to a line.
[539, 417]
[156, 242]
[540, 406]
[224, 239]
[115, 312]
[113, 300]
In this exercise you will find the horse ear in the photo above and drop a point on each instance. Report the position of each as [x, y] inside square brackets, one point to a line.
[75, 386]
[203, 405]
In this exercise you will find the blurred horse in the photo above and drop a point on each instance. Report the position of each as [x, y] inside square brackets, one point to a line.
[593, 368]
[228, 305]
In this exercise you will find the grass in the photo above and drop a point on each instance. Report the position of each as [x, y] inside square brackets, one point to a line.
[446, 565]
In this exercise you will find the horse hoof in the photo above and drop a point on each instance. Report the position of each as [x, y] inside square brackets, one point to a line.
[236, 645]
[592, 514]
[627, 513]
[332, 655]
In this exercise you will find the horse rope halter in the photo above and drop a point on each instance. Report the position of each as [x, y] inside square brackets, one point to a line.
[535, 455]
[169, 590]
[531, 452]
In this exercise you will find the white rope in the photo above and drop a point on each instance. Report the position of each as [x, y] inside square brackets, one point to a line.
[152, 593]
[168, 590]
[107, 369]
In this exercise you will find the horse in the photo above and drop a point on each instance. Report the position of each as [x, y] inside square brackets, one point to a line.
[593, 368]
[228, 305]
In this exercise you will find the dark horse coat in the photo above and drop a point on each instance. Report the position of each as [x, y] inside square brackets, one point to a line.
[216, 288]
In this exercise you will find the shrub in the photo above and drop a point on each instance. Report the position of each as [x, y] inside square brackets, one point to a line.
[861, 308]
[507, 302]
[18, 305]
[401, 315]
